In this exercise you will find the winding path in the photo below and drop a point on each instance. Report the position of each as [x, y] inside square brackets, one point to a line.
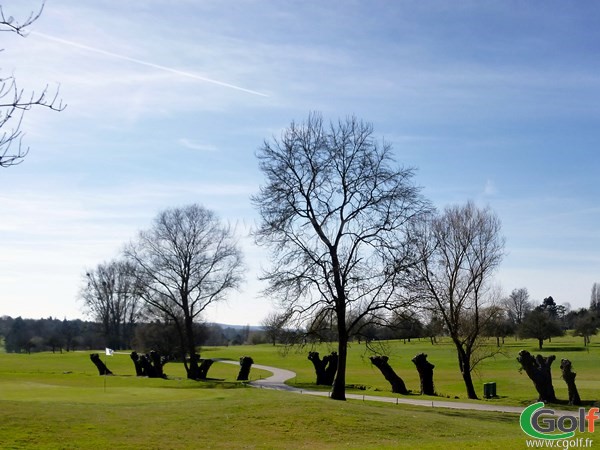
[280, 376]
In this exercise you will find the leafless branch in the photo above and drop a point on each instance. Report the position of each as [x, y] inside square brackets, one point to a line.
[14, 102]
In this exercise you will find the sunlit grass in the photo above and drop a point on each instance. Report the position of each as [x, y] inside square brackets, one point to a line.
[513, 386]
[246, 418]
[59, 401]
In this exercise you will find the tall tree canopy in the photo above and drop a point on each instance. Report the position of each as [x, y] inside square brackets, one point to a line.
[187, 261]
[335, 211]
[459, 251]
[111, 296]
[517, 304]
[541, 325]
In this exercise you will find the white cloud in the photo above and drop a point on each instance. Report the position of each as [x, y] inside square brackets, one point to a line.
[196, 146]
[152, 65]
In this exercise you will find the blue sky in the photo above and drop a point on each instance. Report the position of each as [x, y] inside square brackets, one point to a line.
[496, 102]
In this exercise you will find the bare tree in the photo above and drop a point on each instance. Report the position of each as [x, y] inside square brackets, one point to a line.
[595, 298]
[187, 261]
[517, 305]
[458, 253]
[111, 296]
[499, 325]
[14, 101]
[273, 325]
[334, 210]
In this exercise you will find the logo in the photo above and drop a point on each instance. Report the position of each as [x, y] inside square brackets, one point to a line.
[541, 423]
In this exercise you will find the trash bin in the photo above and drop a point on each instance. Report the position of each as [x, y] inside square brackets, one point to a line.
[489, 390]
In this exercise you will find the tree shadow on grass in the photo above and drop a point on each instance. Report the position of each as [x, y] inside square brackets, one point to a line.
[486, 416]
[559, 349]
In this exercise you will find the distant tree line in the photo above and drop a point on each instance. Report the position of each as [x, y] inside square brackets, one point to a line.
[517, 317]
[19, 335]
[36, 335]
[514, 316]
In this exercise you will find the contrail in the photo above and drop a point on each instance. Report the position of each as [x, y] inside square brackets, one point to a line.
[147, 64]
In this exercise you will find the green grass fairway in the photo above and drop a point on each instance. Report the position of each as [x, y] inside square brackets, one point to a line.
[58, 401]
[513, 387]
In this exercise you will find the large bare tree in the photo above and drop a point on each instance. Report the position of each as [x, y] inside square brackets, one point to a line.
[458, 252]
[111, 296]
[595, 298]
[15, 101]
[187, 261]
[334, 210]
[517, 305]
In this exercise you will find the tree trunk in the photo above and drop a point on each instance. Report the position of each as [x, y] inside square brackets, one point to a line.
[245, 365]
[338, 392]
[540, 343]
[469, 385]
[157, 364]
[193, 371]
[464, 363]
[149, 365]
[425, 369]
[569, 376]
[325, 368]
[203, 369]
[147, 369]
[102, 369]
[137, 363]
[398, 386]
[331, 367]
[538, 370]
[319, 367]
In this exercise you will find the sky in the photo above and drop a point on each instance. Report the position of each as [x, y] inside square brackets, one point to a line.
[497, 102]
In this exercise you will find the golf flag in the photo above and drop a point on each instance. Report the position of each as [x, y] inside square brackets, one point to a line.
[109, 351]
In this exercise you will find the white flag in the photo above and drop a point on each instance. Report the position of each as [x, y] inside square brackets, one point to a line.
[109, 351]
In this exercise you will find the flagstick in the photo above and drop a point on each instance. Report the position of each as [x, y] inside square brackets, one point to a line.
[107, 352]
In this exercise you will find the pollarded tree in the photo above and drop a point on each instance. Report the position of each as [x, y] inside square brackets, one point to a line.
[14, 101]
[458, 252]
[187, 261]
[334, 210]
[111, 296]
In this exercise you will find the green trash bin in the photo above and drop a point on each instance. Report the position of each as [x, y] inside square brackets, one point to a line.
[489, 390]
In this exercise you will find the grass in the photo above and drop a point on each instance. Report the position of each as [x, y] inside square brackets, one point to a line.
[57, 401]
[244, 418]
[514, 388]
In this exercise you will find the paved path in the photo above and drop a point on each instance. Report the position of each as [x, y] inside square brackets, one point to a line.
[280, 376]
